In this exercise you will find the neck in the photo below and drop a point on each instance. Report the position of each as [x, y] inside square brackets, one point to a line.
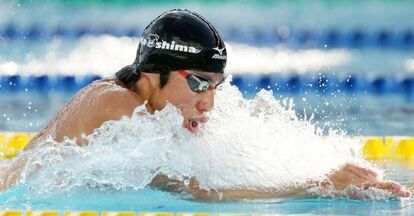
[147, 87]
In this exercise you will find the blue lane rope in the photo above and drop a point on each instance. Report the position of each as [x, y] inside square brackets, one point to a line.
[248, 83]
[382, 38]
[16, 83]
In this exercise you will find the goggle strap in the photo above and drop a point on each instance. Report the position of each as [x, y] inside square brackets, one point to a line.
[185, 74]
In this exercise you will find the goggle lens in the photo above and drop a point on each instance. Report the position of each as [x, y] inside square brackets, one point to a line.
[196, 83]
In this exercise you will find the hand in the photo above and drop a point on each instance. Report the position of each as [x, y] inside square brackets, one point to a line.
[350, 174]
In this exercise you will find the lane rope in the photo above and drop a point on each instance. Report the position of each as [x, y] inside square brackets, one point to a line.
[245, 82]
[332, 38]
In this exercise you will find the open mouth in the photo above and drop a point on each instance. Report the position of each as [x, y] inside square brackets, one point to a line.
[193, 124]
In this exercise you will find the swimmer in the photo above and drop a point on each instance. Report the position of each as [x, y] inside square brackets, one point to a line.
[180, 60]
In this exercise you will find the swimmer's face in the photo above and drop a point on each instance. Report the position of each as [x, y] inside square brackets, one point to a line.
[193, 105]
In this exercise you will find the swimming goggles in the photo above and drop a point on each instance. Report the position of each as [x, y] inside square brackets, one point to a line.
[198, 84]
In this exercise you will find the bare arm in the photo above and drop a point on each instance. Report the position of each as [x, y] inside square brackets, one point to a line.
[88, 109]
[243, 193]
[10, 175]
[90, 112]
[165, 183]
[348, 174]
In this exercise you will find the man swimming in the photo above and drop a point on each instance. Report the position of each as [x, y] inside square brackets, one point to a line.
[180, 60]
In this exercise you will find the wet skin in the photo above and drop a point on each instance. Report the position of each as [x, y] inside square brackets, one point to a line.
[108, 100]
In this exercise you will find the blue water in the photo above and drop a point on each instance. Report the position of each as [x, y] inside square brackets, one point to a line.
[361, 113]
[358, 114]
[150, 200]
[378, 36]
[101, 198]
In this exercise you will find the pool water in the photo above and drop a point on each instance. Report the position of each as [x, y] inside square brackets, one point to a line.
[358, 114]
[101, 198]
[371, 41]
[94, 195]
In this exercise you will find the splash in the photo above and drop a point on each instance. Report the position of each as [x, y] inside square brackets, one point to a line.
[354, 192]
[246, 144]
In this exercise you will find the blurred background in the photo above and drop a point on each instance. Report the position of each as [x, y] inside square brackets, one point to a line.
[349, 63]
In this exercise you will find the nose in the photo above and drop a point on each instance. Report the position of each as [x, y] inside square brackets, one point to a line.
[206, 102]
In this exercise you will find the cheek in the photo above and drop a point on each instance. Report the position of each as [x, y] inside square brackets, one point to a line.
[182, 98]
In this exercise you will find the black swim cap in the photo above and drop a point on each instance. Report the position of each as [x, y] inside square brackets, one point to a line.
[180, 40]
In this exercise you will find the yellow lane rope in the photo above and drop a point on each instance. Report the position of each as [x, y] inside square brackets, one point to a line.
[13, 142]
[375, 148]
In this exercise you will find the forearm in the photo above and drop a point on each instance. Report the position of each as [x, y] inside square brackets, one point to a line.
[10, 175]
[165, 183]
[245, 193]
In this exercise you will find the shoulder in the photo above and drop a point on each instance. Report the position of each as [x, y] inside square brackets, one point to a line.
[112, 99]
[103, 101]
[96, 103]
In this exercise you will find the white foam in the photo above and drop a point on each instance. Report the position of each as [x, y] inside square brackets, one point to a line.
[246, 143]
[354, 192]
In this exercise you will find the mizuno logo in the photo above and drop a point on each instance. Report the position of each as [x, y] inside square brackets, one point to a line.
[220, 55]
[152, 41]
[219, 50]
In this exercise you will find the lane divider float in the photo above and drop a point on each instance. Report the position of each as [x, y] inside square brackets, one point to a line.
[247, 83]
[13, 142]
[331, 38]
